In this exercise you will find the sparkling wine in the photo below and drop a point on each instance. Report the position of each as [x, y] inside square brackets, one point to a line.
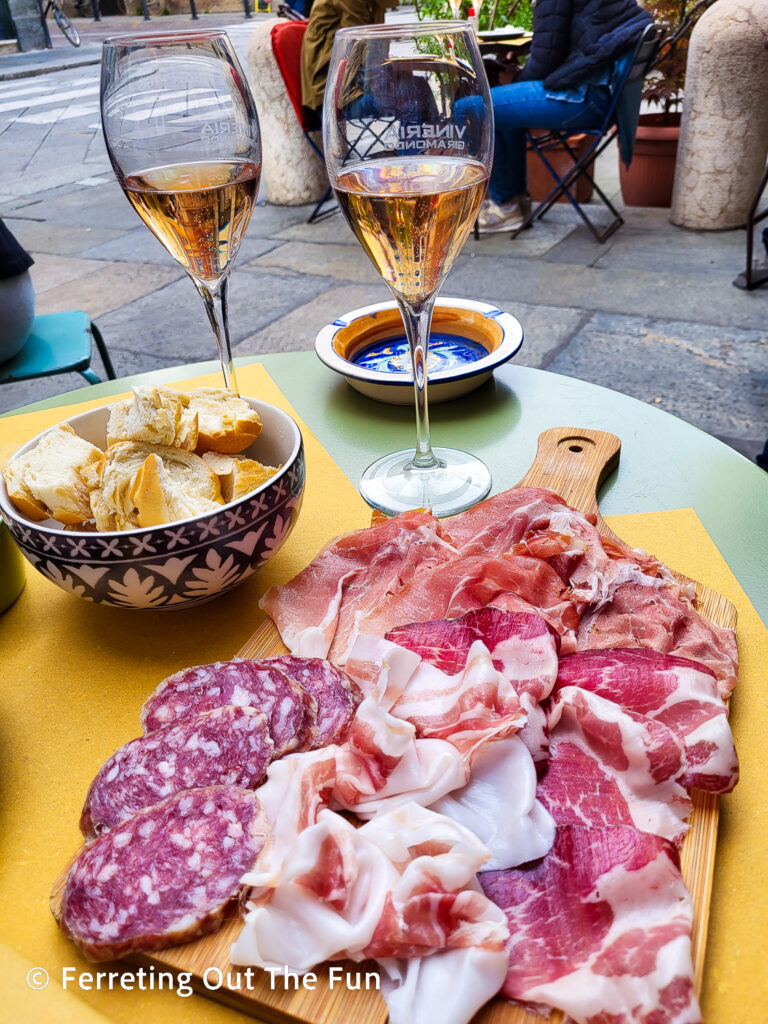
[199, 211]
[412, 215]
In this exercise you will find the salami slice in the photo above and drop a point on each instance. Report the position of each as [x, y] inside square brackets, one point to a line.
[336, 694]
[227, 746]
[165, 876]
[291, 711]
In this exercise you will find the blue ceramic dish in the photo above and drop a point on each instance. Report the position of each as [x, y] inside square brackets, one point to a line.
[368, 347]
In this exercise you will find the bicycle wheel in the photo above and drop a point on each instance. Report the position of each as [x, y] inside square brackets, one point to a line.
[66, 25]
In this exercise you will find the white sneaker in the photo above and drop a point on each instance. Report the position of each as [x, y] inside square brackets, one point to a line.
[495, 217]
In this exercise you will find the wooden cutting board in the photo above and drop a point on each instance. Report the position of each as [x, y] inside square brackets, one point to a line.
[573, 463]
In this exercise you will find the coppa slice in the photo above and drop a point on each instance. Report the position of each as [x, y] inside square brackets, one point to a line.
[165, 876]
[337, 696]
[290, 710]
[227, 746]
[600, 928]
[680, 693]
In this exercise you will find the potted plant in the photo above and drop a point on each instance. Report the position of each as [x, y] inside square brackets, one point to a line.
[648, 180]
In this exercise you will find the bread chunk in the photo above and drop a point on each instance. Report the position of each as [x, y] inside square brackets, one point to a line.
[48, 481]
[225, 422]
[156, 416]
[148, 485]
[238, 476]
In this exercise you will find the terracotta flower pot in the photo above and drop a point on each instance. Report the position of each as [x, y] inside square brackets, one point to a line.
[541, 182]
[649, 179]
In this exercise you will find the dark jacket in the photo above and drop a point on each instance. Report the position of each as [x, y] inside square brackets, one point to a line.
[573, 39]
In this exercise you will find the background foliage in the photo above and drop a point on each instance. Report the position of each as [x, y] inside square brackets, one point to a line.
[508, 12]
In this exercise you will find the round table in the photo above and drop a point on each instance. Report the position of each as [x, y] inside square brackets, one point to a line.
[665, 462]
[91, 671]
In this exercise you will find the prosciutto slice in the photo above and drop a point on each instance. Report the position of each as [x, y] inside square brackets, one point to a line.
[679, 693]
[600, 928]
[637, 610]
[447, 591]
[611, 766]
[317, 612]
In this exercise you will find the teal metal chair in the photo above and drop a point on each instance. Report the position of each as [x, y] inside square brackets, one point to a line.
[58, 343]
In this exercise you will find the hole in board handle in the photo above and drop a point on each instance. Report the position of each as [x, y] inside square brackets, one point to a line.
[575, 448]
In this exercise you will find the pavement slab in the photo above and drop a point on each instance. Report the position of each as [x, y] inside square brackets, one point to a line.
[172, 320]
[106, 287]
[715, 378]
[342, 262]
[673, 295]
[57, 239]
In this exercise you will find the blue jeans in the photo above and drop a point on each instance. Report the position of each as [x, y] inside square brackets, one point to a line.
[522, 105]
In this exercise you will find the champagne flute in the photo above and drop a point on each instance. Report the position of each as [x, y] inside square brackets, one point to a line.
[182, 134]
[408, 138]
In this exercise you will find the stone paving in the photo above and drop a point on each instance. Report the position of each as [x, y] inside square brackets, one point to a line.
[652, 312]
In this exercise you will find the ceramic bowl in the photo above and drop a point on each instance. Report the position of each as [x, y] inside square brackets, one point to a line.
[493, 335]
[183, 563]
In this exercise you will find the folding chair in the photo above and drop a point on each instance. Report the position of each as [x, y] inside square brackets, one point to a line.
[58, 343]
[620, 120]
[286, 38]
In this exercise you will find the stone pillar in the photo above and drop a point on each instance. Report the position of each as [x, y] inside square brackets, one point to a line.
[724, 131]
[293, 173]
[28, 24]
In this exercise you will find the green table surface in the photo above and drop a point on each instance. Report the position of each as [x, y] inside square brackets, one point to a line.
[665, 462]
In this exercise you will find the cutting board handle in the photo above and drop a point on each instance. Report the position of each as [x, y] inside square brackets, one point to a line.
[573, 462]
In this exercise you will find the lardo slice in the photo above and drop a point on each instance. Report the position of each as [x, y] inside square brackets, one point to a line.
[227, 746]
[164, 876]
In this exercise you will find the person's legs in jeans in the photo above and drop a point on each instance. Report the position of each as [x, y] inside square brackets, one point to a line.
[522, 105]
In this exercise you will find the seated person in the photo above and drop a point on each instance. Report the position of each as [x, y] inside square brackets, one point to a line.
[578, 51]
[326, 17]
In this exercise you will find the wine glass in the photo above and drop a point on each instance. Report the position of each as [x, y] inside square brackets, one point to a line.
[408, 139]
[182, 134]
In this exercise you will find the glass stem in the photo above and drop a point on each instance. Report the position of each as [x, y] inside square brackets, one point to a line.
[216, 307]
[418, 321]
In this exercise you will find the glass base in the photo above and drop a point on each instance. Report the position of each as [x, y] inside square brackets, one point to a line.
[393, 484]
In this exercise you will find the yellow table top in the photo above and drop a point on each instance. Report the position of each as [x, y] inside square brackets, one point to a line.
[74, 676]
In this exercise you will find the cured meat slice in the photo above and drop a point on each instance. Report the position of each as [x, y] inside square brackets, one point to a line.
[523, 647]
[450, 590]
[337, 696]
[499, 805]
[467, 708]
[639, 611]
[611, 766]
[165, 876]
[317, 612]
[290, 710]
[227, 746]
[679, 693]
[600, 928]
[402, 886]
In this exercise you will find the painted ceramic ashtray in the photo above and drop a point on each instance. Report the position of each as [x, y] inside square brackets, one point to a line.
[468, 341]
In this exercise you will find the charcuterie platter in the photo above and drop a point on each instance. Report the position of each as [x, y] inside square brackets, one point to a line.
[573, 463]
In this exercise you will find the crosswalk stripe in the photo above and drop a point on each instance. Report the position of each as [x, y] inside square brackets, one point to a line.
[41, 101]
[59, 114]
[40, 88]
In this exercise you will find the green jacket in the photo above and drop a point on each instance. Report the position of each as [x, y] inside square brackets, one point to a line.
[325, 18]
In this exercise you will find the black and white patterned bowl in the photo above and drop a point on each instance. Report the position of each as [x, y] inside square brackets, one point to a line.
[183, 563]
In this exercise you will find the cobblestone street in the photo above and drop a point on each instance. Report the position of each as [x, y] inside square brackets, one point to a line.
[652, 312]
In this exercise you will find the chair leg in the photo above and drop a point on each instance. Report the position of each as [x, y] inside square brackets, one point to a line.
[105, 357]
[90, 376]
[318, 213]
